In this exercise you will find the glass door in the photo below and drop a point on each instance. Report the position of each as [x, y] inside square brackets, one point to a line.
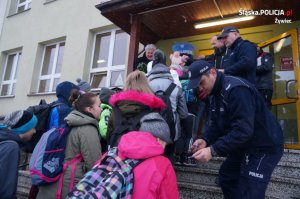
[286, 81]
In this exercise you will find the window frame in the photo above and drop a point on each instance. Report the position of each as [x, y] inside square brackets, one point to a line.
[52, 76]
[26, 3]
[14, 70]
[109, 68]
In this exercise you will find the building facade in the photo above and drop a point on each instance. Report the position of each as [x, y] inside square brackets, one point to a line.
[49, 41]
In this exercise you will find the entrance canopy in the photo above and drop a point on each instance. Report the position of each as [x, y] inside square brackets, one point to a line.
[148, 21]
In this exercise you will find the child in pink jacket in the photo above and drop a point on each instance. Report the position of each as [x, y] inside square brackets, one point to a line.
[155, 176]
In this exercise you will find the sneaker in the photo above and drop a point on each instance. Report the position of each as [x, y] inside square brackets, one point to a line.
[178, 160]
[189, 161]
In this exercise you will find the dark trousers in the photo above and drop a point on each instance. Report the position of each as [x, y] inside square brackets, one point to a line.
[267, 95]
[246, 176]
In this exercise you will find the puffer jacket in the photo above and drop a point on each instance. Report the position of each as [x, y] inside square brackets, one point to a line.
[154, 178]
[160, 78]
[131, 103]
[104, 118]
[84, 139]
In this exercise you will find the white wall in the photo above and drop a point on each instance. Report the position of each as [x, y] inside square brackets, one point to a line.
[76, 20]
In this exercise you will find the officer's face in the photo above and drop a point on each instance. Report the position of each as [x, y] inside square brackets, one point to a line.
[215, 43]
[230, 38]
[207, 83]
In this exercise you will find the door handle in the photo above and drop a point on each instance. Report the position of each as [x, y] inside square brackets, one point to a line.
[287, 88]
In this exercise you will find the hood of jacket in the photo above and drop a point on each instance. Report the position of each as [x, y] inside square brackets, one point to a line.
[6, 134]
[76, 118]
[160, 69]
[135, 97]
[139, 145]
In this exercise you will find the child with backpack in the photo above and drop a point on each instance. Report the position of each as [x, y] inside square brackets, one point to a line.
[16, 129]
[136, 100]
[145, 170]
[160, 80]
[104, 95]
[83, 140]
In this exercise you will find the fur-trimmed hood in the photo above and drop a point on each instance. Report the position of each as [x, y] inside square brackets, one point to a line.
[146, 99]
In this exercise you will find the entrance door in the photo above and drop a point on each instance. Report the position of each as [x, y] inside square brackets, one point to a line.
[286, 85]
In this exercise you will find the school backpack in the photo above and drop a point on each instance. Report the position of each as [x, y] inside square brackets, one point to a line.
[42, 112]
[167, 113]
[124, 125]
[111, 178]
[46, 163]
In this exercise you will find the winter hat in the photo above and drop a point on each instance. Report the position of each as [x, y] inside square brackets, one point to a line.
[20, 121]
[157, 126]
[159, 57]
[83, 85]
[64, 89]
[105, 94]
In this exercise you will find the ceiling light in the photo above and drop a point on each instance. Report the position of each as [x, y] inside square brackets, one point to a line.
[222, 21]
[99, 61]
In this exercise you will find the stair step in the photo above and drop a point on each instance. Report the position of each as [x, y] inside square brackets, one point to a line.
[203, 191]
[279, 186]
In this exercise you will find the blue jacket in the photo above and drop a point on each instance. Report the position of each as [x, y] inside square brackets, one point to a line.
[61, 109]
[239, 120]
[240, 60]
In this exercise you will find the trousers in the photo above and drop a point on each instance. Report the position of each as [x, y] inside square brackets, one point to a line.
[246, 176]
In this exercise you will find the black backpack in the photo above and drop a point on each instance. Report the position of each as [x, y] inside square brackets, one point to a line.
[42, 112]
[124, 125]
[167, 114]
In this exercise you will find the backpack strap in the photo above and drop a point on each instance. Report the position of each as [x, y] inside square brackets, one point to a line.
[170, 89]
[74, 161]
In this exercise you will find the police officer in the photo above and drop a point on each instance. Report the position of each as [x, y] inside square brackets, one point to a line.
[241, 128]
[240, 56]
[219, 52]
[264, 82]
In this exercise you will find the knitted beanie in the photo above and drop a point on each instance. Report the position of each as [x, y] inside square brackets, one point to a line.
[157, 126]
[83, 85]
[20, 121]
[105, 94]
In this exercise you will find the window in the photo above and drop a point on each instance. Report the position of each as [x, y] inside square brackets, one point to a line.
[10, 74]
[23, 5]
[109, 58]
[51, 67]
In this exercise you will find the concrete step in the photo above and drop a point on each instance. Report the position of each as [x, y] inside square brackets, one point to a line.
[202, 191]
[289, 165]
[24, 184]
[279, 187]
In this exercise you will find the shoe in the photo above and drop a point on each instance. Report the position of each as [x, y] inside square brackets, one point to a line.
[178, 160]
[189, 161]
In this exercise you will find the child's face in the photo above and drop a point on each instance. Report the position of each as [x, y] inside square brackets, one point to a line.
[163, 143]
[27, 136]
[95, 109]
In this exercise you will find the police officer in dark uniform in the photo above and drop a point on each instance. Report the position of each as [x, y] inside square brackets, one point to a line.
[240, 56]
[264, 82]
[241, 128]
[216, 58]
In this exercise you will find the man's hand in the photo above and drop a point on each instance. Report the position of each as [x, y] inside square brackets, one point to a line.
[203, 155]
[198, 144]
